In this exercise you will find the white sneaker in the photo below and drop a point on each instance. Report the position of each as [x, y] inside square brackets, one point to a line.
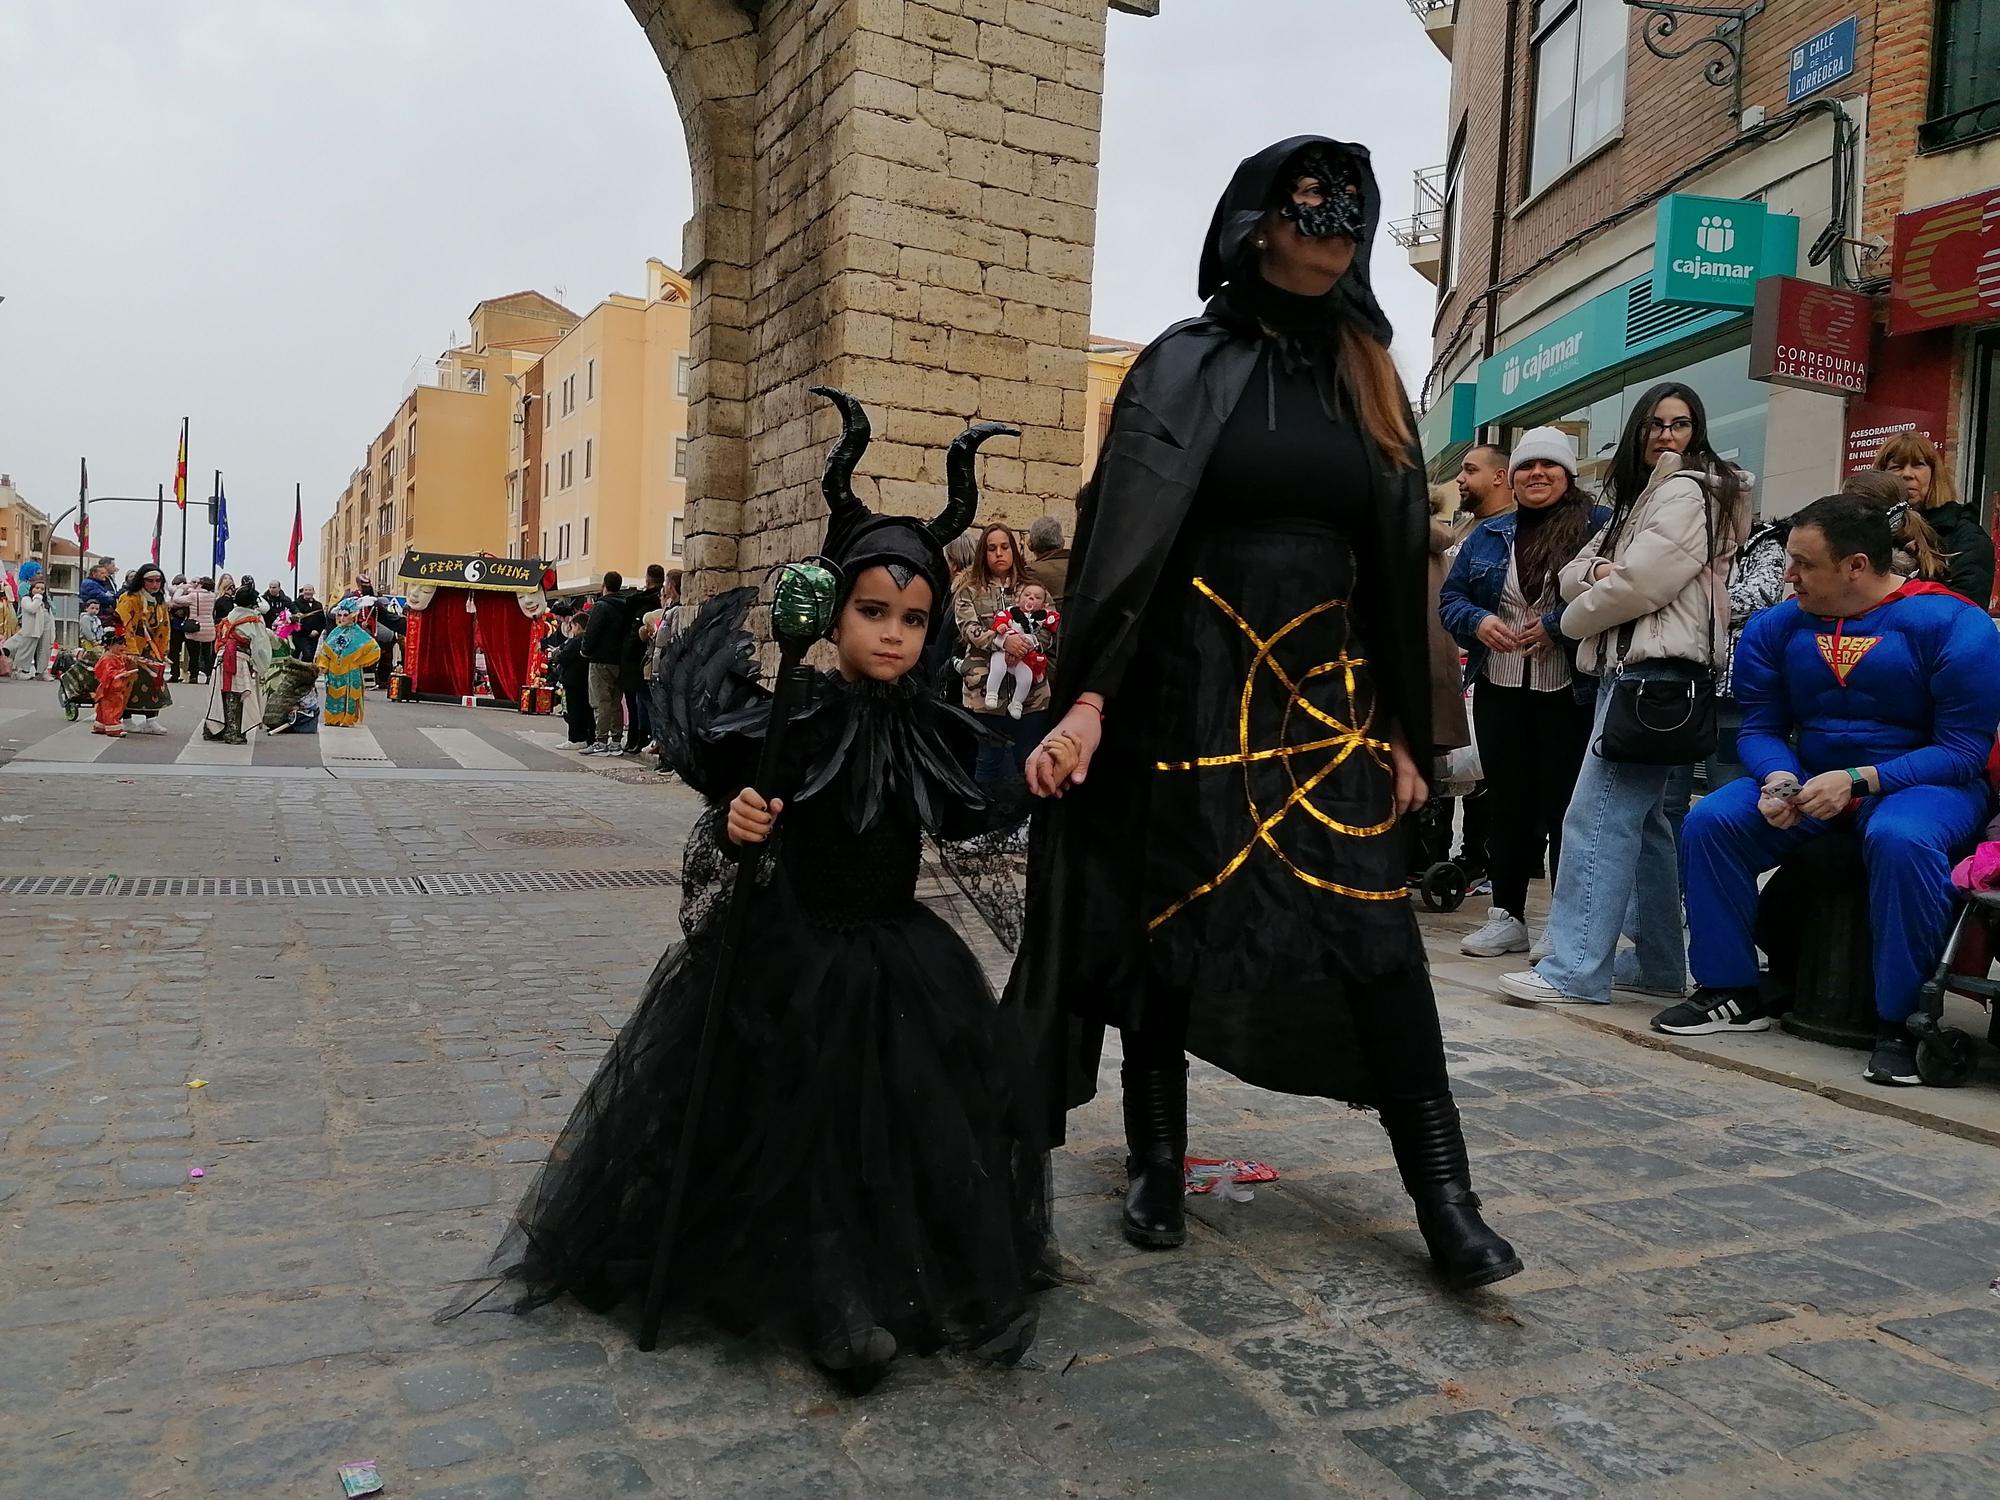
[1528, 988]
[146, 726]
[992, 702]
[1014, 709]
[1502, 933]
[1541, 948]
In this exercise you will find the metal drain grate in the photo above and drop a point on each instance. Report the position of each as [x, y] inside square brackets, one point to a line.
[559, 838]
[510, 881]
[479, 883]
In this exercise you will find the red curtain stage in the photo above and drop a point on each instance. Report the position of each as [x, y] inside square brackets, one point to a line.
[443, 658]
[506, 636]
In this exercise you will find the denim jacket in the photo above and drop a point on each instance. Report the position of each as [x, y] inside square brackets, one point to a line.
[1472, 591]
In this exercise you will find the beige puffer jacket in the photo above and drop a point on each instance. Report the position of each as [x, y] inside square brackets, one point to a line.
[1659, 578]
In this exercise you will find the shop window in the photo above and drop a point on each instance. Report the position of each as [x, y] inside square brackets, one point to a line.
[1965, 75]
[1579, 52]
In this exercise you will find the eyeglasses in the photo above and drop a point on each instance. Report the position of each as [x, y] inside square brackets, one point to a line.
[1677, 426]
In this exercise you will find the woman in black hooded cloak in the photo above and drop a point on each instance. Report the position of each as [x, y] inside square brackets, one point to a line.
[1242, 699]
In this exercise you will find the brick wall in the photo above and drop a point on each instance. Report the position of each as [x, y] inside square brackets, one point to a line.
[1673, 117]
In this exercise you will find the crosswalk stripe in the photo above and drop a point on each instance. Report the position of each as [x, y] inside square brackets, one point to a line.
[73, 744]
[200, 752]
[350, 745]
[471, 751]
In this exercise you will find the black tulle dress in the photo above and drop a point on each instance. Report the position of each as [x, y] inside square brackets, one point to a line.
[869, 1157]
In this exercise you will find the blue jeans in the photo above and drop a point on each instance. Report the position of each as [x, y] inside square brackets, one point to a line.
[1908, 840]
[1618, 857]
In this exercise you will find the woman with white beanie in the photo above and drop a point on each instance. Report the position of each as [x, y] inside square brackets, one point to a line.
[1648, 599]
[1531, 709]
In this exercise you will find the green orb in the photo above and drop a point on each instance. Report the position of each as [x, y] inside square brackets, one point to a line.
[802, 603]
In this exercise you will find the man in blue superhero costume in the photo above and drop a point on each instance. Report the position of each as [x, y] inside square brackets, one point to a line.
[1865, 697]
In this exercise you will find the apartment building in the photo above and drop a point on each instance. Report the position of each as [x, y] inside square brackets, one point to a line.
[1621, 196]
[436, 476]
[597, 455]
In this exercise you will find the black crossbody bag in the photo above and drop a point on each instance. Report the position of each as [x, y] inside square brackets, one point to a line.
[1664, 721]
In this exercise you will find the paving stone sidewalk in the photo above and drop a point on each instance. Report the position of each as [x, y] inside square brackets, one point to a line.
[1733, 1287]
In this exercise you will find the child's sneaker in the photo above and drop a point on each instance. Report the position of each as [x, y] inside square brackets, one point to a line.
[1014, 709]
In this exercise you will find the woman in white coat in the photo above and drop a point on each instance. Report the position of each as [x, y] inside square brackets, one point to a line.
[1647, 597]
[36, 639]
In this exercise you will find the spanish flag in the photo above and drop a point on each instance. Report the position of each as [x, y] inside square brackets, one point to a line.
[181, 472]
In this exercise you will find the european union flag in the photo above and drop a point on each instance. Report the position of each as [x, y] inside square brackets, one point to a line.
[221, 526]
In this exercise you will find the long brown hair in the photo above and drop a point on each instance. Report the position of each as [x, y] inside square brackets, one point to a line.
[1915, 448]
[1369, 377]
[977, 579]
[1554, 540]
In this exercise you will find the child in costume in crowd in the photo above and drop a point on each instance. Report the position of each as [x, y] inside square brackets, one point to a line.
[116, 671]
[870, 1181]
[1031, 617]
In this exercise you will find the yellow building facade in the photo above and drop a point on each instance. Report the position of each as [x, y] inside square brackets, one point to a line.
[1104, 373]
[436, 476]
[598, 458]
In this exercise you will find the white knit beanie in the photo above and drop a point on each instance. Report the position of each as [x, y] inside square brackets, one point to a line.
[1551, 443]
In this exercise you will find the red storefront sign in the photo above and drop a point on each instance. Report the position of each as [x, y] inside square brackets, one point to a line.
[1810, 336]
[1947, 267]
[1908, 391]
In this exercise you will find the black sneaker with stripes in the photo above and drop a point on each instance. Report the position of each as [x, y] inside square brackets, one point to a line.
[1709, 1010]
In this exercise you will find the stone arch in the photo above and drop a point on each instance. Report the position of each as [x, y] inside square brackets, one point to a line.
[898, 198]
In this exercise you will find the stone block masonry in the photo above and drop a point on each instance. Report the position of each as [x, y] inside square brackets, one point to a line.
[897, 197]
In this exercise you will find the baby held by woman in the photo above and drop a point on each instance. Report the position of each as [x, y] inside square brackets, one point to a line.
[1032, 620]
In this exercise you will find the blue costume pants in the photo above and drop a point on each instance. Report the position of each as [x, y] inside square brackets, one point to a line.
[1908, 839]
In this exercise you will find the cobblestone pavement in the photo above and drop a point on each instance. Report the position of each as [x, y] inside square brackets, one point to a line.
[1732, 1286]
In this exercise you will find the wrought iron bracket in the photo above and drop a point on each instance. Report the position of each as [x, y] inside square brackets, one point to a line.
[1663, 24]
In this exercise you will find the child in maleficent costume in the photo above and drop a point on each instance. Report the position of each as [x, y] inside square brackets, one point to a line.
[1224, 874]
[870, 1177]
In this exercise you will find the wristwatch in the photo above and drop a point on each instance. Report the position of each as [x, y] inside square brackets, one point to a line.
[1857, 784]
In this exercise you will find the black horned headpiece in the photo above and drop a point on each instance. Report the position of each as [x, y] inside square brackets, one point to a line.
[909, 547]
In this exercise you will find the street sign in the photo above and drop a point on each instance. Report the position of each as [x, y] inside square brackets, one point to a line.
[1810, 336]
[1708, 252]
[1820, 60]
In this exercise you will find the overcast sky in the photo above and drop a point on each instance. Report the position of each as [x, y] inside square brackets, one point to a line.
[262, 214]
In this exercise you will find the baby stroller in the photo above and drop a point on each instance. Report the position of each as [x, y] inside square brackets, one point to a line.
[1947, 1056]
[76, 679]
[1442, 884]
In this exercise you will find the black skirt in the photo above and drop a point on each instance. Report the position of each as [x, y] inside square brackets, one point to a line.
[1271, 879]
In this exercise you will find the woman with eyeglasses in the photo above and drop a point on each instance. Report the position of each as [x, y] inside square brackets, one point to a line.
[1647, 597]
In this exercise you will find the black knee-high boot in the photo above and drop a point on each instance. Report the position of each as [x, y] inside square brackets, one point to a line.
[1156, 1135]
[1430, 1153]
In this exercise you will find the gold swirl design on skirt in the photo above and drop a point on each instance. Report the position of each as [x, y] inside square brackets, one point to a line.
[1342, 742]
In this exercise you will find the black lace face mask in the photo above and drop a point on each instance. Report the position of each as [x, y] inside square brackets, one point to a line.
[1340, 210]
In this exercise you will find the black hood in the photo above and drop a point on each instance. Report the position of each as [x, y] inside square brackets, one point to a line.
[1228, 258]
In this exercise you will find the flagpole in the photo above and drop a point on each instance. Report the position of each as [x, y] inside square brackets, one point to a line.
[214, 520]
[298, 501]
[159, 517]
[182, 497]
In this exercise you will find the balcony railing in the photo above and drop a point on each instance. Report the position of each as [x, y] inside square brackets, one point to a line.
[1440, 18]
[1426, 225]
[1960, 126]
